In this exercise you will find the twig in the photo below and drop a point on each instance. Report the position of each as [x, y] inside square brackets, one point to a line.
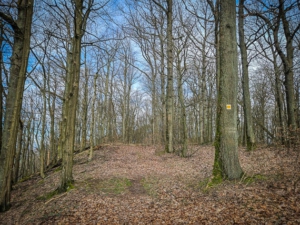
[57, 197]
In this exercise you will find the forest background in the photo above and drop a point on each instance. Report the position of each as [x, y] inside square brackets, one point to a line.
[136, 81]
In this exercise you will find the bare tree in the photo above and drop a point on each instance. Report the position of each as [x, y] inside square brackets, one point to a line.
[21, 27]
[250, 138]
[170, 89]
[81, 13]
[278, 16]
[226, 164]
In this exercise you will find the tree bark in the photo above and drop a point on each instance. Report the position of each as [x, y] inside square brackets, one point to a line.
[182, 112]
[170, 89]
[216, 12]
[226, 164]
[53, 141]
[163, 89]
[1, 84]
[250, 138]
[71, 96]
[287, 60]
[84, 108]
[43, 132]
[93, 125]
[18, 154]
[18, 68]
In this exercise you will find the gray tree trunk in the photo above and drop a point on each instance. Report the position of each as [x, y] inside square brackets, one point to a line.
[163, 92]
[1, 84]
[93, 125]
[18, 153]
[170, 89]
[19, 61]
[84, 109]
[216, 12]
[43, 132]
[226, 164]
[250, 138]
[182, 111]
[71, 96]
[287, 60]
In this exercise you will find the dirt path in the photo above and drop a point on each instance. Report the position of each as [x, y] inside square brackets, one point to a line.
[140, 185]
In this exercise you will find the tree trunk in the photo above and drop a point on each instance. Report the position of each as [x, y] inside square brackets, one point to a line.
[84, 109]
[183, 127]
[42, 152]
[170, 91]
[124, 106]
[250, 140]
[154, 109]
[182, 112]
[279, 100]
[1, 84]
[287, 60]
[288, 69]
[107, 102]
[18, 154]
[163, 95]
[216, 12]
[93, 125]
[27, 136]
[71, 97]
[53, 145]
[19, 61]
[226, 164]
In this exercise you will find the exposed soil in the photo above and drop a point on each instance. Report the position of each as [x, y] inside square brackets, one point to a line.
[127, 184]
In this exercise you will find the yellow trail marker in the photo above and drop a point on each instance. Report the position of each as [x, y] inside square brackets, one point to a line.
[228, 107]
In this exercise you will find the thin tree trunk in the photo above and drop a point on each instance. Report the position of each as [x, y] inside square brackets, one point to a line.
[53, 145]
[124, 107]
[279, 100]
[153, 108]
[18, 154]
[216, 12]
[24, 150]
[183, 127]
[106, 122]
[203, 95]
[42, 152]
[84, 110]
[245, 82]
[163, 92]
[93, 119]
[170, 91]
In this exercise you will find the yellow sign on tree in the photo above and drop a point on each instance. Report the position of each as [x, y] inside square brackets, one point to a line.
[228, 106]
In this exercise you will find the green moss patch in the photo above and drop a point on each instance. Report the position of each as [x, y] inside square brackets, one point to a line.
[160, 152]
[58, 191]
[150, 186]
[251, 179]
[57, 169]
[48, 195]
[24, 179]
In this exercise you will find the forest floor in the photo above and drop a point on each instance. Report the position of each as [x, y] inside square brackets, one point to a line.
[128, 184]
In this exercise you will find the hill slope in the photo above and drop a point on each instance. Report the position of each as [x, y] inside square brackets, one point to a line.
[140, 185]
